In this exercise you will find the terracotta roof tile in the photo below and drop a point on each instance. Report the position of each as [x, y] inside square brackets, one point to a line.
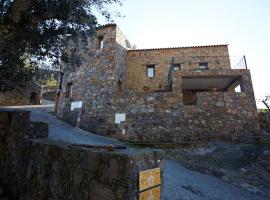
[178, 47]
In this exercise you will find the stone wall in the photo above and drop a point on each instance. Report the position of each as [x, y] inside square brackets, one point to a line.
[32, 167]
[217, 116]
[13, 98]
[217, 57]
[162, 117]
[98, 79]
[21, 96]
[264, 121]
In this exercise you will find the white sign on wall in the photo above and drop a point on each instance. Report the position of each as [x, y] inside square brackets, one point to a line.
[120, 117]
[75, 104]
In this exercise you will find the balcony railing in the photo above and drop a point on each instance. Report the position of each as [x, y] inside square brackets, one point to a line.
[240, 64]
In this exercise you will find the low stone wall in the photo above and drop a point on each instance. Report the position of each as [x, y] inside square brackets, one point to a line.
[13, 98]
[32, 167]
[264, 121]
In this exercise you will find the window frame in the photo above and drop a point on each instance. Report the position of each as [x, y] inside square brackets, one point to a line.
[101, 42]
[154, 71]
[203, 64]
[177, 65]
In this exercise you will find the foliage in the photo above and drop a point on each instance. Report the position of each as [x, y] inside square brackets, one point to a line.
[48, 81]
[38, 28]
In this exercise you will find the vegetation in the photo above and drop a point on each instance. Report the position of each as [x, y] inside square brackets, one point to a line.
[38, 28]
[266, 102]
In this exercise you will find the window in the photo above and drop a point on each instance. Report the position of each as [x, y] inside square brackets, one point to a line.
[69, 90]
[100, 42]
[203, 65]
[177, 67]
[150, 71]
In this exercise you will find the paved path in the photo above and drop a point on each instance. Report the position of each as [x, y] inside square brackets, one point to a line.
[180, 183]
[61, 131]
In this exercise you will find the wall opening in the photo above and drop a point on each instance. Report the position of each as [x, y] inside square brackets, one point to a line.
[150, 71]
[203, 65]
[190, 97]
[100, 42]
[69, 90]
[176, 66]
[34, 98]
[191, 85]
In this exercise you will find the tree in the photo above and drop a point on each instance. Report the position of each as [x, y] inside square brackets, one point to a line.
[265, 101]
[34, 30]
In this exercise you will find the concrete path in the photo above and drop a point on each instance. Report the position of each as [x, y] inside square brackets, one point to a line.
[180, 183]
[61, 131]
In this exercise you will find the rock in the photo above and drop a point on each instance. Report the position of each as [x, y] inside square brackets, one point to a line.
[249, 188]
[243, 170]
[219, 173]
[220, 104]
[225, 178]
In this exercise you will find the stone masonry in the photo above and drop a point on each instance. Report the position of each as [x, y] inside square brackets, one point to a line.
[33, 167]
[21, 96]
[190, 97]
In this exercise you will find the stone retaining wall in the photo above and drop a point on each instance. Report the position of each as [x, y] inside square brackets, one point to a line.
[264, 121]
[32, 167]
[13, 98]
[217, 116]
[159, 117]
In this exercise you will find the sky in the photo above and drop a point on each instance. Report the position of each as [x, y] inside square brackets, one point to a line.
[243, 24]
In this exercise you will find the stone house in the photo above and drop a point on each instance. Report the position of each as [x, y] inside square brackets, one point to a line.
[155, 95]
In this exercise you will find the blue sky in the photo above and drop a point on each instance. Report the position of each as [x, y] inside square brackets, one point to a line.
[243, 24]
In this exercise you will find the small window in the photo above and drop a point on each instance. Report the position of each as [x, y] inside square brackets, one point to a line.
[150, 71]
[69, 90]
[177, 67]
[100, 42]
[203, 65]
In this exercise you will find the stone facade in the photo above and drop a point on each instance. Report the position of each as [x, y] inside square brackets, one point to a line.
[33, 167]
[217, 57]
[192, 98]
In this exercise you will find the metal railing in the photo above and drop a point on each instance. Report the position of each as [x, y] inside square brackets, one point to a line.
[221, 61]
[241, 64]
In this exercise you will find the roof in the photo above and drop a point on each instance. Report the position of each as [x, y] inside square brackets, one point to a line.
[106, 25]
[166, 48]
[203, 46]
